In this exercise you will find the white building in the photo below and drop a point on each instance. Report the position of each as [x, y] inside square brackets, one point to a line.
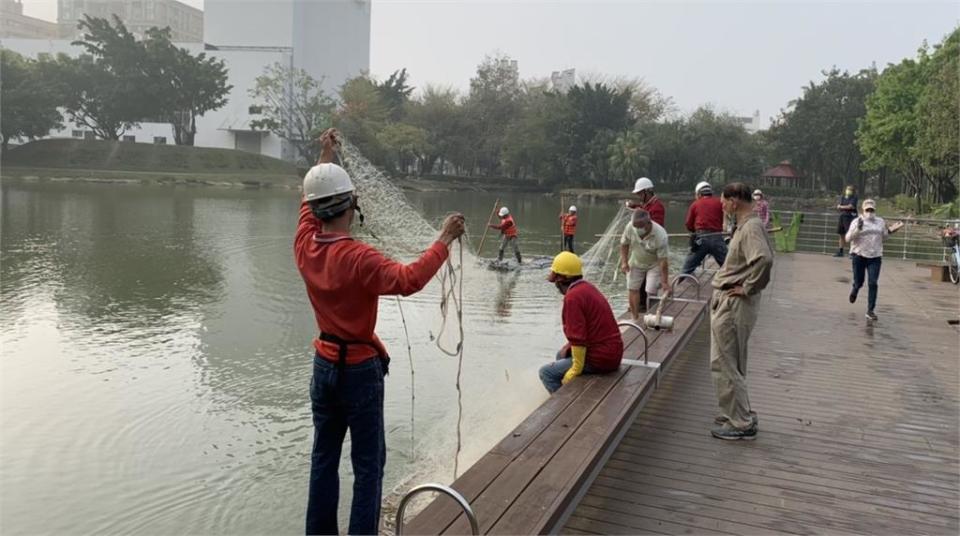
[330, 40]
[751, 124]
[562, 81]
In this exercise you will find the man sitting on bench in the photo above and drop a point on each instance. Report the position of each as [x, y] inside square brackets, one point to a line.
[594, 342]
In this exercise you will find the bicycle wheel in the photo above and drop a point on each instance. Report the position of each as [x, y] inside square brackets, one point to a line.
[954, 266]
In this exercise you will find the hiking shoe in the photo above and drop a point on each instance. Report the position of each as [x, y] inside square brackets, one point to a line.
[871, 316]
[728, 433]
[853, 296]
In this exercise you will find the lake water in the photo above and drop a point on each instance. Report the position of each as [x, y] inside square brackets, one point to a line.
[156, 356]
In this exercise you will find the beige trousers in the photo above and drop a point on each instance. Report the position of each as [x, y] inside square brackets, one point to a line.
[731, 321]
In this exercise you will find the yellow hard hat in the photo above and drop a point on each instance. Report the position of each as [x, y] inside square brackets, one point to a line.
[566, 264]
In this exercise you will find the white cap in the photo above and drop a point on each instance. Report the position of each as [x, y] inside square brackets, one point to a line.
[326, 180]
[869, 203]
[702, 185]
[758, 192]
[573, 208]
[503, 211]
[642, 184]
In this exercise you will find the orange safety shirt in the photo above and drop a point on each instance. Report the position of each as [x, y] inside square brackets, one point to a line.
[569, 224]
[345, 279]
[507, 226]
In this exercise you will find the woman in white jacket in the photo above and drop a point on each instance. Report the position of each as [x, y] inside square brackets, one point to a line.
[865, 236]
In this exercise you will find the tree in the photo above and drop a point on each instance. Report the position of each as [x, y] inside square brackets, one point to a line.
[407, 143]
[938, 112]
[628, 157]
[361, 115]
[817, 132]
[395, 93]
[490, 107]
[294, 107]
[30, 98]
[186, 85]
[438, 113]
[110, 87]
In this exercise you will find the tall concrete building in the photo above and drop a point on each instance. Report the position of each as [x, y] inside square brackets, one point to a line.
[13, 23]
[185, 22]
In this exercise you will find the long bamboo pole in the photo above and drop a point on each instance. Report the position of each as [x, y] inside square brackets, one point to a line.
[561, 222]
[487, 226]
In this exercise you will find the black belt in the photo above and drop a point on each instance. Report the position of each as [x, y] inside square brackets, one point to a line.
[342, 346]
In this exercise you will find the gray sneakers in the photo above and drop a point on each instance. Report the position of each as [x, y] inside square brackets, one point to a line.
[729, 433]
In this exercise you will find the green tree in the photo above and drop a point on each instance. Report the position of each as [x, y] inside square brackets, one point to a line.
[438, 113]
[361, 115]
[30, 98]
[185, 85]
[490, 107]
[395, 93]
[817, 132]
[110, 86]
[628, 157]
[407, 143]
[294, 107]
[938, 112]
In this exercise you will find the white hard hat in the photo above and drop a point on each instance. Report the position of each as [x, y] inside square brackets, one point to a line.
[758, 192]
[642, 184]
[573, 208]
[503, 211]
[701, 185]
[326, 180]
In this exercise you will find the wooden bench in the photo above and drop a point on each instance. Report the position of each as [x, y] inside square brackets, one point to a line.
[939, 271]
[531, 481]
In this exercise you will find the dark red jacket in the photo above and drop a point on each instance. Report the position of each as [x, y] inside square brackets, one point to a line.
[656, 210]
[705, 214]
[588, 321]
[345, 279]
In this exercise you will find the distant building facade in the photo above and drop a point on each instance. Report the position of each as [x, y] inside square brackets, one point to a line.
[330, 40]
[185, 22]
[562, 81]
[751, 124]
[13, 23]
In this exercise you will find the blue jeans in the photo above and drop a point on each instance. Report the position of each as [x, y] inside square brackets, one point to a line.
[355, 402]
[872, 268]
[568, 243]
[552, 374]
[712, 245]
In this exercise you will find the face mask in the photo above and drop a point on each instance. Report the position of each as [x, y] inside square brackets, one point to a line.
[848, 193]
[869, 215]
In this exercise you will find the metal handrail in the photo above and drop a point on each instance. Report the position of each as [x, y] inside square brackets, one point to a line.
[677, 278]
[452, 493]
[646, 342]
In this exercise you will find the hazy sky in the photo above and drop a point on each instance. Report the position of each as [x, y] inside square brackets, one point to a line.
[738, 56]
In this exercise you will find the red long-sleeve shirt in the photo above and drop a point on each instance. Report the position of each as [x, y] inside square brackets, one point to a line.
[705, 214]
[655, 208]
[588, 321]
[507, 226]
[345, 279]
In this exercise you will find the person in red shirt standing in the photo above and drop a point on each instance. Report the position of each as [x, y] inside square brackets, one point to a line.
[594, 344]
[649, 201]
[508, 233]
[705, 223]
[569, 223]
[344, 280]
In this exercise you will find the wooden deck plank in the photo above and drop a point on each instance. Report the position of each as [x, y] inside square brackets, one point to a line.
[880, 452]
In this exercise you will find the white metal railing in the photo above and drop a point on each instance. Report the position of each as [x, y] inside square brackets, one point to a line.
[919, 239]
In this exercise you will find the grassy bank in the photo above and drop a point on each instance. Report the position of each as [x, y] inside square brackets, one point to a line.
[119, 162]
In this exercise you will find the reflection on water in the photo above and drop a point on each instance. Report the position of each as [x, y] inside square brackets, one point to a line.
[156, 357]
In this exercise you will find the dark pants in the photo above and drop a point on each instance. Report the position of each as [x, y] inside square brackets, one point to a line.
[872, 268]
[551, 374]
[568, 243]
[712, 245]
[355, 402]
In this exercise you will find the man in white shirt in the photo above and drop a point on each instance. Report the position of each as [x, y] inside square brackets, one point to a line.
[865, 236]
[644, 257]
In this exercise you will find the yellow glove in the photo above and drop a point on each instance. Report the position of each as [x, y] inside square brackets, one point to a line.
[579, 358]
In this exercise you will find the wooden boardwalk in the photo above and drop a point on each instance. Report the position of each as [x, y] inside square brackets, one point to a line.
[858, 425]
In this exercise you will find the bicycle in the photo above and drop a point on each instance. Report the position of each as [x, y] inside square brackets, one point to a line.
[951, 241]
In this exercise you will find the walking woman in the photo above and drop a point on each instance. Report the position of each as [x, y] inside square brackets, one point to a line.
[866, 235]
[847, 207]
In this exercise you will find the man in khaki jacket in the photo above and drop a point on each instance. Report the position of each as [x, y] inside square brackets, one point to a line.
[733, 312]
